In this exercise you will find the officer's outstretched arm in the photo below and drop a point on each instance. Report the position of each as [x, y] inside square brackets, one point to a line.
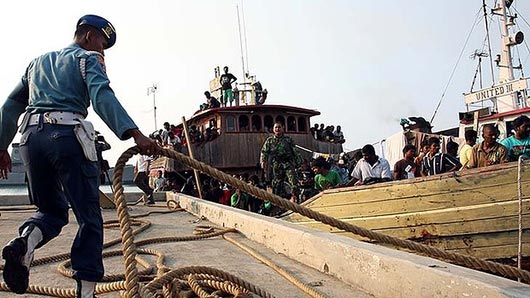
[147, 145]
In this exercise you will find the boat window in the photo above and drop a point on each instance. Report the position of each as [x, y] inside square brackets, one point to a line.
[291, 123]
[268, 123]
[212, 123]
[230, 123]
[280, 119]
[243, 123]
[302, 124]
[256, 123]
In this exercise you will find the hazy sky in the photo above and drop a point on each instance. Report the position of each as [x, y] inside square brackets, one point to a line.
[362, 64]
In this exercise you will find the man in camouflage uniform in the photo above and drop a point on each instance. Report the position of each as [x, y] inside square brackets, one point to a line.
[280, 160]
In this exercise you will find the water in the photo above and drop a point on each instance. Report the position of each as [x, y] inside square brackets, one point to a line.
[12, 190]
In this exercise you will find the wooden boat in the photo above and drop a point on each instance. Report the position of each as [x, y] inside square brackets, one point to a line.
[241, 131]
[473, 212]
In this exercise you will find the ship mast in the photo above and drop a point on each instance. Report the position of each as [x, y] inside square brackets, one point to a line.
[510, 101]
[506, 93]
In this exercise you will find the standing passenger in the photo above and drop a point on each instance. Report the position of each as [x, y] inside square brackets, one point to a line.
[141, 178]
[280, 159]
[226, 81]
[58, 150]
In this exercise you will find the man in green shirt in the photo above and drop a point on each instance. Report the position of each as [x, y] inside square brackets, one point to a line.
[325, 178]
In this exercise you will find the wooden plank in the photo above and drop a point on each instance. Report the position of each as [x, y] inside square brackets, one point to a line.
[485, 246]
[362, 203]
[479, 241]
[492, 188]
[474, 213]
[465, 228]
[449, 215]
[407, 206]
[495, 252]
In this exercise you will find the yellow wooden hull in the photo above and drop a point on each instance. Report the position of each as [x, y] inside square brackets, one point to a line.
[473, 212]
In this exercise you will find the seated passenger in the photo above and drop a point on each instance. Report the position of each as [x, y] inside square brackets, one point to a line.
[465, 150]
[338, 136]
[519, 144]
[488, 152]
[452, 149]
[325, 178]
[407, 168]
[424, 148]
[211, 102]
[328, 133]
[435, 162]
[174, 141]
[195, 134]
[370, 169]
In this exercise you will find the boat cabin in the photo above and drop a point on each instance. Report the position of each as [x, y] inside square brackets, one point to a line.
[230, 138]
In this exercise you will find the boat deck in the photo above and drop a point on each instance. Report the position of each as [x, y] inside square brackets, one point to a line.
[213, 252]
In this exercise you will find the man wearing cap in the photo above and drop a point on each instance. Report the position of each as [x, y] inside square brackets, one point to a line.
[58, 150]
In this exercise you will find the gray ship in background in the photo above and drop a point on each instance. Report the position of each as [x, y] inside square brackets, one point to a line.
[17, 177]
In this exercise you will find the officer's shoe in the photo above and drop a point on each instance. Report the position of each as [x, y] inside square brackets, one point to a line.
[18, 254]
[149, 200]
[85, 289]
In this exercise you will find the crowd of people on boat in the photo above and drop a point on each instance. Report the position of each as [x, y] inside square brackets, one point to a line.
[297, 180]
[288, 175]
[431, 161]
[328, 133]
[173, 137]
[233, 96]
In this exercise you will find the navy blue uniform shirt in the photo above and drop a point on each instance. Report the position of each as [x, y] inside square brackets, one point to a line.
[66, 80]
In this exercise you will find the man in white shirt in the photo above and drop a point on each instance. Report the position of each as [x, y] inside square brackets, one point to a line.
[370, 169]
[141, 178]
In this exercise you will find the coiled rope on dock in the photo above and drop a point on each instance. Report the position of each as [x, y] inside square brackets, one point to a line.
[130, 251]
[115, 282]
[189, 282]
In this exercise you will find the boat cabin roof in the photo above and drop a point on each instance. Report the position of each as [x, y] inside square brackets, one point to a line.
[256, 108]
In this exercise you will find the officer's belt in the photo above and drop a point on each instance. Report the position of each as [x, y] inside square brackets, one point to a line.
[62, 118]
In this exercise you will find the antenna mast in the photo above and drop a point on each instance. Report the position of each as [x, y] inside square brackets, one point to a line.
[241, 46]
[489, 43]
[245, 35]
[152, 90]
[509, 101]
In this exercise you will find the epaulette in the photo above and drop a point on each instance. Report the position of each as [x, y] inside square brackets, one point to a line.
[82, 61]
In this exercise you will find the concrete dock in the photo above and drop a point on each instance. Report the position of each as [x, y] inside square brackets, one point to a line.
[334, 265]
[213, 252]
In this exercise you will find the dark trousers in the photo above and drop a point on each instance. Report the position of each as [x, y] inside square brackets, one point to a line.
[142, 181]
[59, 175]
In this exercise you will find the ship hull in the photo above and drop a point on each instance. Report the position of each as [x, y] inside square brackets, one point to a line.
[473, 212]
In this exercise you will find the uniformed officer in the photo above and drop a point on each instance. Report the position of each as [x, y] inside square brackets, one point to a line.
[57, 148]
[280, 159]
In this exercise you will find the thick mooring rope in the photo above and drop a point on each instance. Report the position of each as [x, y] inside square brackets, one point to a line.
[455, 258]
